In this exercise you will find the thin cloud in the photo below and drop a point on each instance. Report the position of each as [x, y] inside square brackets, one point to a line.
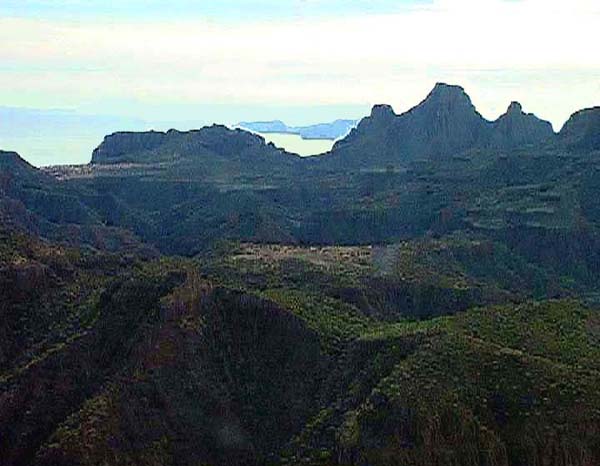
[532, 48]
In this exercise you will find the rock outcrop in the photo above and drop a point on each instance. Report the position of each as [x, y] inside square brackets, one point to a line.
[153, 146]
[582, 131]
[445, 124]
[516, 128]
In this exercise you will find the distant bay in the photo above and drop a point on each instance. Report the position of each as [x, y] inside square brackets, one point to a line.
[297, 145]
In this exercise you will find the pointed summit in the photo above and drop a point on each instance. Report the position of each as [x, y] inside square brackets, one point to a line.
[444, 124]
[516, 128]
[448, 96]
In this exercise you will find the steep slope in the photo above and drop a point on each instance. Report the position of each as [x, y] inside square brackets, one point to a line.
[446, 123]
[215, 141]
[516, 128]
[14, 168]
[491, 386]
[38, 203]
[157, 366]
[582, 131]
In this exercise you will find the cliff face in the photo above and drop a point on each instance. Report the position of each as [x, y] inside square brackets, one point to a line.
[117, 145]
[446, 123]
[152, 146]
[582, 131]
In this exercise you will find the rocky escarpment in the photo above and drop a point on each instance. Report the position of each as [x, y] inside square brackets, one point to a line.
[446, 123]
[153, 146]
[516, 128]
[582, 131]
[120, 144]
[372, 135]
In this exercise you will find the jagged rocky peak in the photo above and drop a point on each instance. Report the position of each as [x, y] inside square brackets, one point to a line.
[382, 111]
[445, 123]
[582, 130]
[448, 95]
[449, 105]
[517, 128]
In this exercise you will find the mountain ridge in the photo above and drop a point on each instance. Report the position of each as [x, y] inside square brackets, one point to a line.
[217, 140]
[205, 298]
[445, 123]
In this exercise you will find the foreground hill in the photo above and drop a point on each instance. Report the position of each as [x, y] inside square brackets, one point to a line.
[426, 294]
[278, 355]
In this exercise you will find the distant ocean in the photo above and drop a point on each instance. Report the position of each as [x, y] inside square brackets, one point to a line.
[58, 139]
[294, 143]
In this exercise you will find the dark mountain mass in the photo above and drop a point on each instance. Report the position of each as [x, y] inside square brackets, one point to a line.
[582, 131]
[445, 124]
[11, 164]
[426, 294]
[153, 146]
[516, 128]
[119, 145]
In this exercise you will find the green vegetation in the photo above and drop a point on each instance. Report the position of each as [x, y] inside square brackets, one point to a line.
[203, 298]
[433, 351]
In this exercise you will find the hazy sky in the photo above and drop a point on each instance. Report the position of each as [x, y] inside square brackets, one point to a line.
[301, 60]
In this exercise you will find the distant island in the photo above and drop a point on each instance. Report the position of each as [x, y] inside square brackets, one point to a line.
[333, 130]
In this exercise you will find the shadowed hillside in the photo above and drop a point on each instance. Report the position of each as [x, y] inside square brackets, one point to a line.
[425, 294]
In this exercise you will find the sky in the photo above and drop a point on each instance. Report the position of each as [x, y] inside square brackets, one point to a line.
[302, 61]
